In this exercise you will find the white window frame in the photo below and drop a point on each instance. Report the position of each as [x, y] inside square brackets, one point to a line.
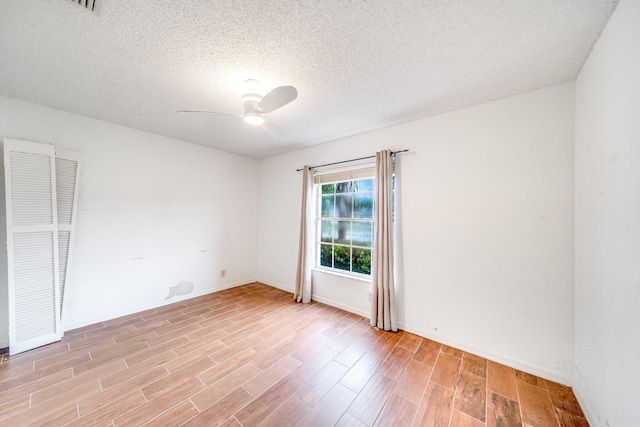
[333, 177]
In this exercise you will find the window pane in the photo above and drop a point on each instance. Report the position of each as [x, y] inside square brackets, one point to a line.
[344, 187]
[325, 255]
[325, 231]
[342, 232]
[364, 185]
[328, 188]
[361, 260]
[341, 256]
[362, 233]
[327, 207]
[344, 205]
[363, 205]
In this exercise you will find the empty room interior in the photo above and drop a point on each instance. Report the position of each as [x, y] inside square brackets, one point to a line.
[307, 213]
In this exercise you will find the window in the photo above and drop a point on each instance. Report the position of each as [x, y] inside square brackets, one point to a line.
[345, 225]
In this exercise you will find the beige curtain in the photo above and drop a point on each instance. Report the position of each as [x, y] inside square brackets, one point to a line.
[383, 299]
[302, 291]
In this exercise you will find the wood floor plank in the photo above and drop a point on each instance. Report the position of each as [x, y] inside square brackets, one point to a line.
[385, 345]
[261, 382]
[435, 408]
[230, 351]
[397, 412]
[446, 371]
[413, 381]
[224, 386]
[395, 364]
[563, 398]
[111, 380]
[372, 398]
[352, 353]
[179, 324]
[428, 352]
[105, 357]
[67, 391]
[474, 364]
[87, 404]
[256, 411]
[60, 357]
[15, 405]
[201, 342]
[250, 356]
[263, 360]
[502, 380]
[157, 406]
[103, 370]
[530, 379]
[231, 422]
[358, 376]
[287, 414]
[187, 359]
[331, 408]
[316, 388]
[471, 395]
[166, 383]
[135, 335]
[108, 411]
[220, 370]
[32, 384]
[211, 328]
[410, 341]
[175, 416]
[502, 412]
[460, 419]
[569, 420]
[347, 420]
[162, 339]
[44, 415]
[222, 409]
[451, 351]
[269, 341]
[310, 367]
[535, 402]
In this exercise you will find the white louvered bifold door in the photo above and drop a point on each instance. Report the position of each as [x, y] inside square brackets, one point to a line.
[67, 185]
[32, 245]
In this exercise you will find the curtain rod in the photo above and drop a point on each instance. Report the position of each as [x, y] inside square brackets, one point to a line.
[393, 153]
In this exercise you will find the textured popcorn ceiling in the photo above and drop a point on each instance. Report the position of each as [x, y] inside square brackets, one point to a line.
[358, 65]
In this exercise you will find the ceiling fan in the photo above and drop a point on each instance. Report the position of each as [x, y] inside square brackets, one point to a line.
[256, 106]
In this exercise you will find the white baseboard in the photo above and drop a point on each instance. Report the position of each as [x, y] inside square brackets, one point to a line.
[98, 319]
[275, 285]
[340, 306]
[578, 390]
[505, 360]
[327, 301]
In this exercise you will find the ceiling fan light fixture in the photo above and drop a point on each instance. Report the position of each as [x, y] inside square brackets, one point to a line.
[253, 119]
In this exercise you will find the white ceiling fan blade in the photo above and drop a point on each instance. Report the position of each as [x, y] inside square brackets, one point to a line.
[222, 113]
[275, 131]
[278, 97]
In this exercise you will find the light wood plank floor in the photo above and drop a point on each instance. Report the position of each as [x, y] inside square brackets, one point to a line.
[250, 356]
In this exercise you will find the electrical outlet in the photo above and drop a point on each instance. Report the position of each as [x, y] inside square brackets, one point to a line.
[223, 274]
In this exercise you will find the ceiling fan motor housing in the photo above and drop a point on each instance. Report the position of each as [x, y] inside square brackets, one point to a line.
[250, 102]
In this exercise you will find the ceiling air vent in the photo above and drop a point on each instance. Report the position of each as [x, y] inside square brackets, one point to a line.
[91, 5]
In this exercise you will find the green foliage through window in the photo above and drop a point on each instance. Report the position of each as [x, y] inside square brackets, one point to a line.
[345, 227]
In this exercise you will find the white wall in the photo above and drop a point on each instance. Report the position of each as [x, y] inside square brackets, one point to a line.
[607, 209]
[486, 212]
[153, 211]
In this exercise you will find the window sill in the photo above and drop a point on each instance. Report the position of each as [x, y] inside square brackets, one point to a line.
[344, 275]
